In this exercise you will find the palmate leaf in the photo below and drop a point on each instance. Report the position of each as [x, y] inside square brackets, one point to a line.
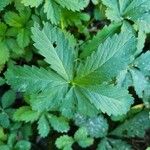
[134, 10]
[107, 98]
[32, 79]
[53, 45]
[105, 63]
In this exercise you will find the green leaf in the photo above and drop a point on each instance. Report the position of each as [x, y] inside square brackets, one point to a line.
[43, 126]
[74, 5]
[78, 19]
[23, 38]
[4, 53]
[53, 45]
[68, 105]
[4, 120]
[84, 106]
[134, 127]
[4, 147]
[4, 3]
[124, 79]
[107, 99]
[144, 23]
[13, 19]
[8, 98]
[59, 124]
[32, 3]
[92, 45]
[50, 99]
[115, 9]
[3, 29]
[64, 142]
[141, 41]
[136, 9]
[2, 81]
[3, 136]
[81, 136]
[14, 47]
[113, 144]
[143, 63]
[96, 126]
[53, 11]
[139, 81]
[25, 113]
[23, 145]
[126, 9]
[105, 63]
[32, 79]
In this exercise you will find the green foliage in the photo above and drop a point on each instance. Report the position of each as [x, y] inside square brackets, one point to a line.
[64, 142]
[74, 74]
[135, 126]
[113, 144]
[26, 114]
[96, 126]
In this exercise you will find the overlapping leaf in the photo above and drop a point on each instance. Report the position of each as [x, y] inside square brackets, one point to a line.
[56, 50]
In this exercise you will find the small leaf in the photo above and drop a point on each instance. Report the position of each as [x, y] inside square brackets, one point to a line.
[4, 120]
[59, 124]
[26, 114]
[81, 136]
[8, 98]
[23, 38]
[23, 145]
[43, 126]
[4, 53]
[64, 142]
[139, 82]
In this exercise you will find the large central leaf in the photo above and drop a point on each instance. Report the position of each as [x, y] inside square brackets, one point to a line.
[111, 57]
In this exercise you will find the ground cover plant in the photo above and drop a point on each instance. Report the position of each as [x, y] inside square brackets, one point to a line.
[74, 74]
